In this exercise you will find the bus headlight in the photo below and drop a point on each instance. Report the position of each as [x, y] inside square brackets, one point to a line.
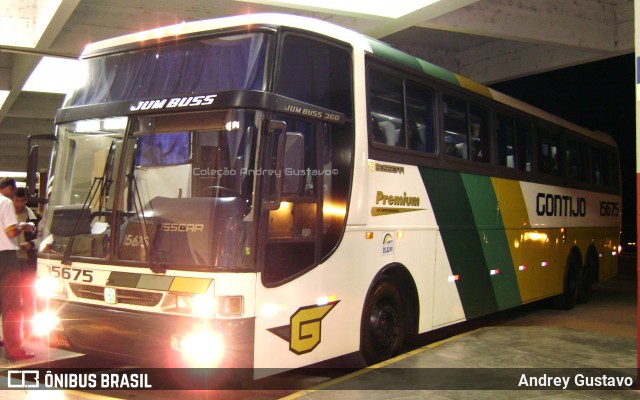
[48, 287]
[200, 349]
[183, 303]
[199, 305]
[45, 322]
[203, 305]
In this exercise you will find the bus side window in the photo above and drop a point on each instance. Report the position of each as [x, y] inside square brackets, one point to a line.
[386, 107]
[524, 157]
[614, 164]
[514, 142]
[316, 72]
[456, 127]
[420, 118]
[479, 137]
[577, 160]
[505, 135]
[600, 167]
[466, 130]
[550, 154]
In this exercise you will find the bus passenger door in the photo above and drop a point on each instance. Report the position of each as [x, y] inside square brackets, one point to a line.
[295, 235]
[291, 205]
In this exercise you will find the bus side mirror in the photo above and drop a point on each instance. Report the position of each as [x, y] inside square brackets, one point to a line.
[273, 183]
[32, 172]
[33, 180]
[293, 163]
[287, 162]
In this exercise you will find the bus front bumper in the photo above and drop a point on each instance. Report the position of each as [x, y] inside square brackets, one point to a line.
[153, 340]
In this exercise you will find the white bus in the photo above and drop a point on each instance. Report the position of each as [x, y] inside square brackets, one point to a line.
[272, 191]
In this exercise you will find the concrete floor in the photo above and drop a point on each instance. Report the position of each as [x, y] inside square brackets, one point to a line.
[473, 365]
[489, 353]
[599, 337]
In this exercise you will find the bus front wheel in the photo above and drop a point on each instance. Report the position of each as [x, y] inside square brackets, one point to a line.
[567, 299]
[383, 323]
[589, 276]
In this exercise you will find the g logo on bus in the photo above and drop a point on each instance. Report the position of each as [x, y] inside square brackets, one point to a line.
[110, 295]
[304, 333]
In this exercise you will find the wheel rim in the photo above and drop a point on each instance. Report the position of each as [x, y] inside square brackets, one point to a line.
[384, 326]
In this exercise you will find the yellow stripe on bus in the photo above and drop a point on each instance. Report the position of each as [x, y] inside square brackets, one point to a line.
[538, 255]
[473, 86]
[524, 253]
[190, 285]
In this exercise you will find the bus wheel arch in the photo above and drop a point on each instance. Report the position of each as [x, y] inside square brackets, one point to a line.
[568, 298]
[589, 274]
[389, 314]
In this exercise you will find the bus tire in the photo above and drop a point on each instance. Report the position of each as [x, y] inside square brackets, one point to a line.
[383, 323]
[589, 275]
[567, 299]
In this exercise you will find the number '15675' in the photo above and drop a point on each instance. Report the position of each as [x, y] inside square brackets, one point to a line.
[74, 274]
[609, 209]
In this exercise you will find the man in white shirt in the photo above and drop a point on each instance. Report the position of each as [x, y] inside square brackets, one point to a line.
[10, 296]
[27, 257]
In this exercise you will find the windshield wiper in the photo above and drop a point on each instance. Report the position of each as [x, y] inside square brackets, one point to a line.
[140, 211]
[100, 185]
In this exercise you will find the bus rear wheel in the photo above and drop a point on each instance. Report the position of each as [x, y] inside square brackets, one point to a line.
[383, 323]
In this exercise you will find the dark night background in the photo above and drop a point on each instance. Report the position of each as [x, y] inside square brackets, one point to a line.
[599, 96]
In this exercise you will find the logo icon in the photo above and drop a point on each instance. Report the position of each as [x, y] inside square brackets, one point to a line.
[387, 244]
[110, 295]
[22, 376]
[304, 333]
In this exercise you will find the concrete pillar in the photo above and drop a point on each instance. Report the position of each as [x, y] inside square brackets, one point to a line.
[636, 7]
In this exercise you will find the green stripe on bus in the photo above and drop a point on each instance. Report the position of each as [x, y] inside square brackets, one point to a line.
[438, 72]
[123, 279]
[493, 239]
[454, 216]
[155, 282]
[385, 51]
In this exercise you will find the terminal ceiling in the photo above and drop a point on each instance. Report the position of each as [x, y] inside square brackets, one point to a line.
[486, 40]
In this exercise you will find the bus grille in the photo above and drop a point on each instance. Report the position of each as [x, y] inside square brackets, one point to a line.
[123, 296]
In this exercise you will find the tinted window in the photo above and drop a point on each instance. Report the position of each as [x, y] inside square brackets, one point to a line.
[524, 147]
[316, 72]
[577, 160]
[387, 110]
[456, 127]
[479, 134]
[514, 142]
[420, 118]
[549, 152]
[506, 138]
[600, 167]
[466, 130]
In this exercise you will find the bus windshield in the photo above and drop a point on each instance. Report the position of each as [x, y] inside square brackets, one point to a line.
[235, 62]
[175, 191]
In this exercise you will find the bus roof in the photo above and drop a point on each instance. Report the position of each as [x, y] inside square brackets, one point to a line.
[357, 40]
[272, 19]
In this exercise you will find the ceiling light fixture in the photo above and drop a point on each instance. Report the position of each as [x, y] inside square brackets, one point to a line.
[53, 75]
[3, 96]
